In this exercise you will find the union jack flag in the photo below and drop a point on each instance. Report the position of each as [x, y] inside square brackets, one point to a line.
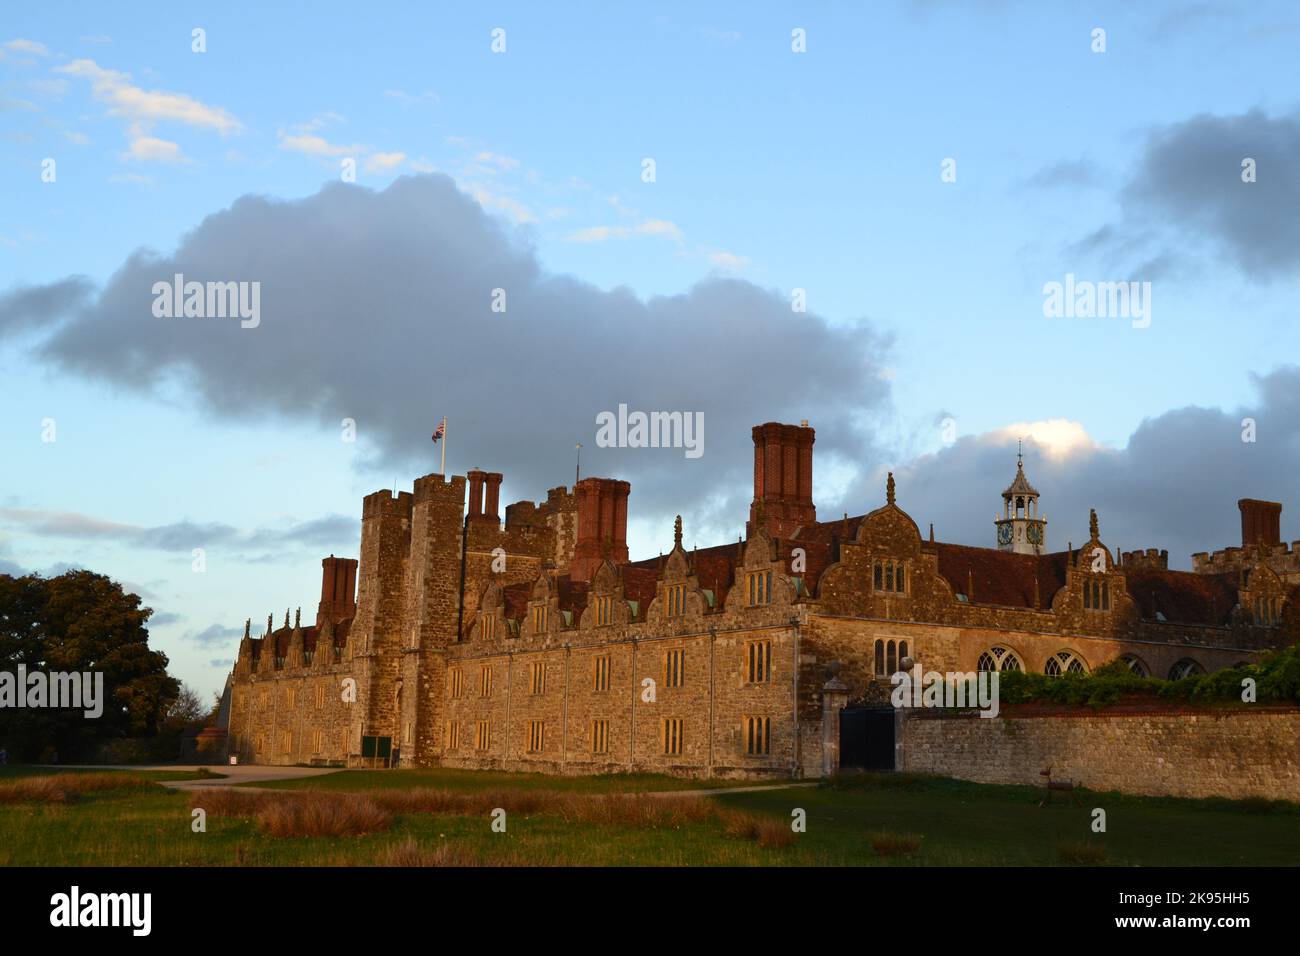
[442, 430]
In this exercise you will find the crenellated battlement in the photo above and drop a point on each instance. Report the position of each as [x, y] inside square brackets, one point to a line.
[1281, 556]
[1149, 558]
[439, 488]
[385, 503]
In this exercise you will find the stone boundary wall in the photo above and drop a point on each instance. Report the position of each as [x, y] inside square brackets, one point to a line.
[1231, 753]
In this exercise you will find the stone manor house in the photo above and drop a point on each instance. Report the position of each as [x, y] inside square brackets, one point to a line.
[536, 644]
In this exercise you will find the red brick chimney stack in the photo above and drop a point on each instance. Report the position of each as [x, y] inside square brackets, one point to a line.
[782, 479]
[491, 507]
[602, 525]
[338, 590]
[476, 479]
[1261, 522]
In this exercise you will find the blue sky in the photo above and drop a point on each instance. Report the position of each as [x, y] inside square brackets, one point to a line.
[816, 170]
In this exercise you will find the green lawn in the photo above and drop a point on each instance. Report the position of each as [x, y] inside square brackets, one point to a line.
[12, 772]
[957, 823]
[477, 780]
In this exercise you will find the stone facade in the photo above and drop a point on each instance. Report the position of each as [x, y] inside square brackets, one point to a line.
[1230, 753]
[537, 644]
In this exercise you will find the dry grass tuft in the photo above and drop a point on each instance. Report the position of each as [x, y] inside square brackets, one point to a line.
[410, 853]
[306, 814]
[767, 832]
[68, 787]
[886, 843]
[1082, 854]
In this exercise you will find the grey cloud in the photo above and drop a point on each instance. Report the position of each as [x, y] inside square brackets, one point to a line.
[1071, 173]
[182, 535]
[35, 305]
[375, 306]
[1175, 484]
[1188, 180]
[215, 635]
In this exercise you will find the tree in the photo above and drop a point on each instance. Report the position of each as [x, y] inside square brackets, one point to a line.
[81, 622]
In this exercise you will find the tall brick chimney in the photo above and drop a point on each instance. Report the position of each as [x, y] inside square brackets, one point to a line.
[1261, 522]
[782, 479]
[476, 479]
[338, 590]
[492, 503]
[602, 525]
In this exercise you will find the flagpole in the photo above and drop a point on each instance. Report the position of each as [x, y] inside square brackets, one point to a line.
[444, 446]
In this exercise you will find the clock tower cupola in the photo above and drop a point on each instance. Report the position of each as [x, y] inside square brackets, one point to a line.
[1021, 529]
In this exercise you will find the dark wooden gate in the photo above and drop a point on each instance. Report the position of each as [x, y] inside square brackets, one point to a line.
[866, 738]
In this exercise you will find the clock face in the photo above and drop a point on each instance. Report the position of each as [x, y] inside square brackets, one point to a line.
[1035, 534]
[1004, 534]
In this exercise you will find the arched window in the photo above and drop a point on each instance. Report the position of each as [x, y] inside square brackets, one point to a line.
[1065, 662]
[1185, 668]
[902, 653]
[891, 657]
[880, 658]
[1136, 665]
[999, 659]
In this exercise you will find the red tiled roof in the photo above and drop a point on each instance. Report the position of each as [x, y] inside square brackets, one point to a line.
[515, 597]
[1181, 596]
[1001, 577]
[640, 584]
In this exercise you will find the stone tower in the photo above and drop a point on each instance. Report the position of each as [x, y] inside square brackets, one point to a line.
[1021, 529]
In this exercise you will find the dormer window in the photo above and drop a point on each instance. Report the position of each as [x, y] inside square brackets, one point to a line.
[675, 600]
[889, 576]
[604, 611]
[1267, 610]
[1096, 595]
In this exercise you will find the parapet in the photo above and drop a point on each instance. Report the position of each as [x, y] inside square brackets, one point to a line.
[1150, 558]
[439, 488]
[385, 503]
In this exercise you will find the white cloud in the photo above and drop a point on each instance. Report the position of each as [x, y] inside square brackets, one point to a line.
[499, 202]
[428, 96]
[382, 162]
[656, 228]
[27, 46]
[1058, 438]
[152, 149]
[131, 102]
[497, 160]
[728, 260]
[311, 145]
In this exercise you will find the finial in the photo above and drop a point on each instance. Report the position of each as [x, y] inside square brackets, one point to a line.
[297, 618]
[932, 532]
[889, 489]
[248, 625]
[1020, 452]
[1092, 523]
[268, 623]
[677, 532]
[286, 617]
